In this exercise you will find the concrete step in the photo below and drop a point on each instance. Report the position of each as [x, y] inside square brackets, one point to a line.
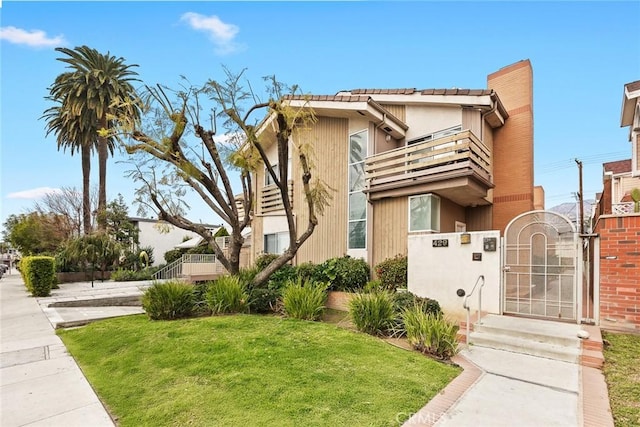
[525, 346]
[542, 338]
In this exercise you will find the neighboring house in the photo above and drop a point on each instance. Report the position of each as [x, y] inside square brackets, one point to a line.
[619, 227]
[404, 162]
[161, 236]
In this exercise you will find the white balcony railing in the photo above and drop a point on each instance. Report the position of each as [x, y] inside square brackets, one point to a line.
[624, 208]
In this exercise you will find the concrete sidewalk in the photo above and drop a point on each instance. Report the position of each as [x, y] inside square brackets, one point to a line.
[40, 383]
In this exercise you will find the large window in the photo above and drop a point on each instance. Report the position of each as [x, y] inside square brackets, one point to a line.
[357, 199]
[268, 179]
[424, 213]
[276, 243]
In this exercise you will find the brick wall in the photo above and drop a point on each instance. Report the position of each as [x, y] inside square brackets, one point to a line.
[619, 271]
[513, 144]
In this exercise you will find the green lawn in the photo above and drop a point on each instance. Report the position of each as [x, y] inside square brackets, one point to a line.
[622, 371]
[251, 370]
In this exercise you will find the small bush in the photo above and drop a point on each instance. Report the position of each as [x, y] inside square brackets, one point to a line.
[264, 260]
[227, 295]
[169, 300]
[173, 255]
[39, 274]
[392, 272]
[373, 312]
[343, 274]
[429, 333]
[373, 286]
[406, 299]
[306, 270]
[246, 275]
[304, 299]
[122, 275]
[263, 300]
[281, 276]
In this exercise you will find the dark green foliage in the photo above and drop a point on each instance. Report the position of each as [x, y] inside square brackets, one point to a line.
[222, 232]
[429, 333]
[122, 275]
[264, 260]
[343, 274]
[281, 276]
[373, 312]
[173, 255]
[406, 299]
[227, 295]
[392, 272]
[169, 300]
[263, 300]
[306, 270]
[304, 299]
[38, 273]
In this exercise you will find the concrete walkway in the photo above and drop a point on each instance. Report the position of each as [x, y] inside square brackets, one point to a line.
[40, 383]
[43, 386]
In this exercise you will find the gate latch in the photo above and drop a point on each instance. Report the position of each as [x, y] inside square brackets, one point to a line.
[506, 268]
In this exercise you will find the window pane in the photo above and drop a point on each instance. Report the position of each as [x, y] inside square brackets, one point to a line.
[270, 244]
[424, 213]
[268, 179]
[357, 206]
[358, 147]
[357, 234]
[283, 242]
[356, 177]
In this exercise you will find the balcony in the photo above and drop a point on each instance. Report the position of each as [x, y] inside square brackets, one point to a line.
[623, 208]
[457, 167]
[271, 200]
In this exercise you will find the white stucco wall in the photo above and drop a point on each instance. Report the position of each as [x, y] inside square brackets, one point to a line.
[438, 272]
[161, 242]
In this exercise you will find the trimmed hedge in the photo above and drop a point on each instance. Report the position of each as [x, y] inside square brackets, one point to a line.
[39, 274]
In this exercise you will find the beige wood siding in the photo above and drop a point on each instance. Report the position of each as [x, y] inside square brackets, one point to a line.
[330, 136]
[479, 218]
[449, 214]
[471, 119]
[390, 229]
[396, 110]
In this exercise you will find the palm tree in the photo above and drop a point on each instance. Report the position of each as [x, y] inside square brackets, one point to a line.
[96, 91]
[74, 133]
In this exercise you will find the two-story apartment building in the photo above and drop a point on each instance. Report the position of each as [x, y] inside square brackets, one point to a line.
[403, 161]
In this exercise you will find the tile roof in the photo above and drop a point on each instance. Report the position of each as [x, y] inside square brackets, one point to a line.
[410, 91]
[620, 166]
[341, 98]
[633, 86]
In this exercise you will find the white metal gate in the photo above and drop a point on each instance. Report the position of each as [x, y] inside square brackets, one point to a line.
[541, 266]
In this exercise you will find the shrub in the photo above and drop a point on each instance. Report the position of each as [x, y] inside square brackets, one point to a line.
[246, 275]
[429, 333]
[169, 300]
[39, 274]
[263, 300]
[406, 299]
[281, 276]
[392, 272]
[227, 295]
[374, 286]
[344, 273]
[304, 299]
[173, 255]
[122, 275]
[373, 312]
[306, 270]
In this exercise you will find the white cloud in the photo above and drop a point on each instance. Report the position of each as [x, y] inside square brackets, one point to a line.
[220, 33]
[33, 38]
[34, 193]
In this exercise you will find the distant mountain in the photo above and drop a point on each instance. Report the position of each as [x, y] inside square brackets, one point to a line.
[570, 210]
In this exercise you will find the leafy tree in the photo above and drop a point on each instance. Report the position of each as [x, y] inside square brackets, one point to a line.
[118, 226]
[34, 233]
[95, 251]
[88, 98]
[68, 204]
[168, 165]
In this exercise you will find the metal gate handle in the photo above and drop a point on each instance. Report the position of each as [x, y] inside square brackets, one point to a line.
[506, 268]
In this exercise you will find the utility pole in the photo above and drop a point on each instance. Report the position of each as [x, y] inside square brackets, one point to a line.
[580, 197]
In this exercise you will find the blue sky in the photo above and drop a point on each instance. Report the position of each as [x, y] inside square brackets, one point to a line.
[582, 54]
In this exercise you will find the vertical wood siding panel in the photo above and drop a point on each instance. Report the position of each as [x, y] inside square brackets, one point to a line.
[330, 138]
[389, 228]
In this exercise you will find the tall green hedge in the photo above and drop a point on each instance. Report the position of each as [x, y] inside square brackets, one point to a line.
[39, 274]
